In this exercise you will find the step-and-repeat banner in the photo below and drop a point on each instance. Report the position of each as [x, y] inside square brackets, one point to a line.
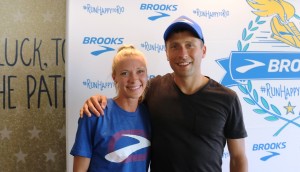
[253, 47]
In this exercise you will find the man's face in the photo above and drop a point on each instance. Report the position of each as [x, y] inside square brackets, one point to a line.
[185, 53]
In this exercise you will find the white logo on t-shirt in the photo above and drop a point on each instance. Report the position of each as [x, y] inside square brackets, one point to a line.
[123, 153]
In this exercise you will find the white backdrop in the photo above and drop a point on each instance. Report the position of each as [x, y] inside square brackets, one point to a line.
[242, 53]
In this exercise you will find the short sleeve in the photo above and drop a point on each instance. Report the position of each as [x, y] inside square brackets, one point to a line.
[235, 127]
[83, 145]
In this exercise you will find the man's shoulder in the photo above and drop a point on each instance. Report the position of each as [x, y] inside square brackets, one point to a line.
[160, 78]
[213, 84]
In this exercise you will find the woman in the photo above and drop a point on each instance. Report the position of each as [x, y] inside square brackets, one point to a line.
[119, 140]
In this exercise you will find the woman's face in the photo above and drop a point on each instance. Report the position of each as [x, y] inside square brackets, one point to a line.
[131, 77]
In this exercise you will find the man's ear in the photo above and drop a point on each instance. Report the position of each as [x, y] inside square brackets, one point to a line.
[204, 51]
[166, 51]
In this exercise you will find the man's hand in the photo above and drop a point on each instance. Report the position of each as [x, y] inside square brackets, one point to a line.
[95, 104]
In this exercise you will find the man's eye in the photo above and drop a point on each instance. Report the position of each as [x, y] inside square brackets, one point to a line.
[173, 46]
[189, 45]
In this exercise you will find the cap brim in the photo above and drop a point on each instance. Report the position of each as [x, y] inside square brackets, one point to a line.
[178, 26]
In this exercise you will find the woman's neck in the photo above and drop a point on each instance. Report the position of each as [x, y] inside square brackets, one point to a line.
[127, 104]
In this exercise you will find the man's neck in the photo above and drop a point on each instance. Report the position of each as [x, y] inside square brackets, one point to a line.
[190, 85]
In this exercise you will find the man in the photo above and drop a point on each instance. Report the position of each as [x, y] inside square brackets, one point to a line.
[192, 116]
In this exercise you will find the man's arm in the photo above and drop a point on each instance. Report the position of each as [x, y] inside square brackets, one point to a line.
[238, 159]
[81, 164]
[95, 104]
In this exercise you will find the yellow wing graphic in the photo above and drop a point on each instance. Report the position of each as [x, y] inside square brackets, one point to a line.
[281, 13]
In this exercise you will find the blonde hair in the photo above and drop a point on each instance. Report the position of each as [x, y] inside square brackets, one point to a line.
[123, 52]
[126, 51]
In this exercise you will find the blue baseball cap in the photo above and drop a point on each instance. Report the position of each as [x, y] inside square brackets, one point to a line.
[184, 22]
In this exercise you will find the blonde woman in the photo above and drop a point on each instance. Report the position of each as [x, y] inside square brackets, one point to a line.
[119, 140]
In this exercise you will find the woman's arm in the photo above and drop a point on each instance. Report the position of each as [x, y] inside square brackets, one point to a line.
[81, 164]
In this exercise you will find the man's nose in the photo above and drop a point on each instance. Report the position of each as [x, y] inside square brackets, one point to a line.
[183, 53]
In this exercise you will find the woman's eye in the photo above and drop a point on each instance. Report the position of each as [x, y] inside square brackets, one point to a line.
[124, 73]
[140, 71]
